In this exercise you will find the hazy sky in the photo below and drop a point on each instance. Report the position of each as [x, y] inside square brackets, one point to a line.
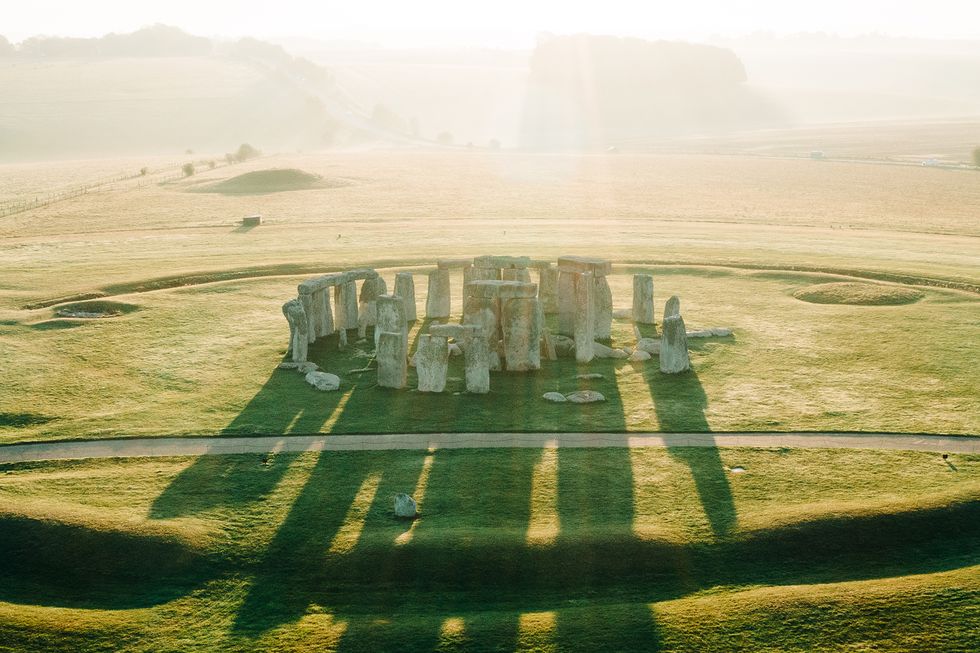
[492, 22]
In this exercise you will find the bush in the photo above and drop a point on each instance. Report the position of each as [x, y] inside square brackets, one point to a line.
[976, 157]
[143, 171]
[188, 169]
[246, 152]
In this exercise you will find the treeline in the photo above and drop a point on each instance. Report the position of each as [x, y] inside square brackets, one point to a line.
[589, 91]
[154, 41]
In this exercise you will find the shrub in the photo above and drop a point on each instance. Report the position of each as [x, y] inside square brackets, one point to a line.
[976, 156]
[246, 152]
[188, 169]
[143, 171]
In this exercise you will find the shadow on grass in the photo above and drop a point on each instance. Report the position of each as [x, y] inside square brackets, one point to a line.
[680, 401]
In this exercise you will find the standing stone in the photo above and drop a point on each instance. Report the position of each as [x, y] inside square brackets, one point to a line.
[298, 325]
[326, 314]
[371, 289]
[602, 303]
[673, 346]
[306, 299]
[548, 289]
[477, 361]
[484, 313]
[566, 302]
[584, 317]
[673, 307]
[438, 302]
[345, 298]
[516, 274]
[478, 273]
[392, 360]
[405, 506]
[391, 318]
[432, 362]
[405, 288]
[643, 298]
[522, 334]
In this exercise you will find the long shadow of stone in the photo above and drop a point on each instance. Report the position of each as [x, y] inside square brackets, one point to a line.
[284, 403]
[679, 401]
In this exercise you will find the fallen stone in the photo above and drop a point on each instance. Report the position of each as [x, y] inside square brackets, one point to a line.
[585, 397]
[556, 397]
[590, 376]
[307, 367]
[649, 345]
[405, 506]
[323, 381]
[639, 356]
[721, 332]
[602, 351]
[564, 346]
[289, 365]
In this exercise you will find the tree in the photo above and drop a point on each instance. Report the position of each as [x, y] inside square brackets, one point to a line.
[976, 157]
[6, 50]
[246, 152]
[188, 169]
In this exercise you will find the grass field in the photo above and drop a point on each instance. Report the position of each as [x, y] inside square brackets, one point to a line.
[515, 550]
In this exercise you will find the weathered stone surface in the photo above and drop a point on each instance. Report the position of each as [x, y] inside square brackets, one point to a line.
[639, 355]
[602, 351]
[566, 302]
[321, 302]
[591, 376]
[547, 344]
[309, 286]
[310, 312]
[432, 362]
[405, 506]
[649, 345]
[367, 307]
[457, 331]
[717, 332]
[484, 314]
[438, 301]
[584, 317]
[502, 262]
[323, 381]
[455, 349]
[556, 397]
[454, 263]
[540, 264]
[674, 357]
[602, 303]
[299, 342]
[361, 274]
[477, 363]
[501, 289]
[392, 360]
[643, 298]
[307, 367]
[521, 325]
[597, 266]
[622, 313]
[585, 397]
[564, 346]
[722, 332]
[481, 274]
[345, 300]
[548, 289]
[673, 307]
[516, 274]
[288, 365]
[405, 288]
[391, 317]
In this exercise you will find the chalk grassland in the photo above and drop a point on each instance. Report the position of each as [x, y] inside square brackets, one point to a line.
[566, 550]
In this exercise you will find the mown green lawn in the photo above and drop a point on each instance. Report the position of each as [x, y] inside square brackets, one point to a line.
[569, 550]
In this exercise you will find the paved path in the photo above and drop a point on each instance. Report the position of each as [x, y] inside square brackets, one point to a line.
[138, 447]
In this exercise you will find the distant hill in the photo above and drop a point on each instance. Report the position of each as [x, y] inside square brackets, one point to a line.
[591, 91]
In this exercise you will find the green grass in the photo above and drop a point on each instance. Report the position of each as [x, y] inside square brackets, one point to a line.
[564, 549]
[858, 294]
[267, 181]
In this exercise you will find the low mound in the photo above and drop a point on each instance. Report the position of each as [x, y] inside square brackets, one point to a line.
[855, 293]
[276, 180]
[95, 309]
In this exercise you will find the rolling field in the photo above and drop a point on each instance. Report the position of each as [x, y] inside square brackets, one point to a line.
[853, 293]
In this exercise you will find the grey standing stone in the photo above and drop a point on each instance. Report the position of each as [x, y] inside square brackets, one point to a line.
[391, 317]
[438, 301]
[673, 307]
[307, 300]
[522, 334]
[643, 312]
[405, 506]
[584, 317]
[392, 360]
[326, 313]
[484, 313]
[674, 357]
[405, 288]
[298, 325]
[371, 289]
[516, 274]
[477, 362]
[345, 299]
[548, 289]
[432, 362]
[567, 306]
[602, 302]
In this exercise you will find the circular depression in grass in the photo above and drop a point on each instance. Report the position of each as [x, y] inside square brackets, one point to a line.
[95, 309]
[858, 294]
[274, 180]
